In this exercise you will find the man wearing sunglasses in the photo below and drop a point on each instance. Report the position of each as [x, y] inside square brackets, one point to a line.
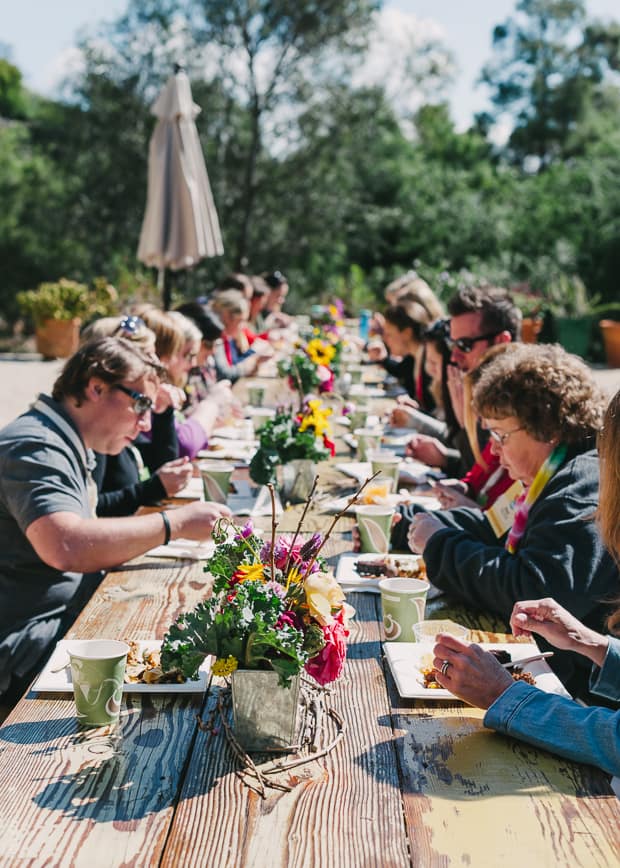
[53, 545]
[480, 317]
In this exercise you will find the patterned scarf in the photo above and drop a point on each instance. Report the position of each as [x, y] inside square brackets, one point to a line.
[531, 494]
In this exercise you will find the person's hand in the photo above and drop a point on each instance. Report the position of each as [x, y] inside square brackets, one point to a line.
[451, 493]
[175, 475]
[196, 520]
[262, 348]
[427, 449]
[355, 532]
[457, 395]
[423, 526]
[377, 351]
[168, 396]
[473, 675]
[561, 629]
[401, 416]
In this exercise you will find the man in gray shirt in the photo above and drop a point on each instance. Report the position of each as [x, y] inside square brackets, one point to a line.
[51, 539]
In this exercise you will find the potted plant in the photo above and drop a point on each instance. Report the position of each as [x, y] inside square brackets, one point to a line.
[59, 308]
[290, 444]
[532, 306]
[314, 365]
[275, 611]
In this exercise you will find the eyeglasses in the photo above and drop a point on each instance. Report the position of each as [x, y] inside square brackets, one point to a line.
[466, 345]
[142, 404]
[500, 438]
[130, 326]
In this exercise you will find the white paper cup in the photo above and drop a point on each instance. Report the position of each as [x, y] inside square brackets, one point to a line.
[403, 602]
[260, 415]
[256, 394]
[368, 439]
[216, 480]
[386, 463]
[375, 524]
[425, 634]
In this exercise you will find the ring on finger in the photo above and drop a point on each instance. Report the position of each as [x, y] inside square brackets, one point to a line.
[445, 666]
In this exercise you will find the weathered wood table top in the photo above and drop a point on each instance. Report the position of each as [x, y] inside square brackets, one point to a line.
[418, 783]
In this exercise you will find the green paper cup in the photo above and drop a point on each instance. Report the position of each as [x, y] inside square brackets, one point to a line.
[368, 439]
[97, 673]
[256, 394]
[356, 372]
[374, 524]
[386, 463]
[403, 602]
[357, 418]
[216, 480]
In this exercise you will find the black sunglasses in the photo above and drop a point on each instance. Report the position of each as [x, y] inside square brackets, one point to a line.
[142, 404]
[466, 345]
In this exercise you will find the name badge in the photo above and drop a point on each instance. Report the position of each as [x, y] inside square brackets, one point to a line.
[501, 514]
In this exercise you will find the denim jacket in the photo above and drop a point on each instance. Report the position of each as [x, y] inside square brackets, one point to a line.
[584, 734]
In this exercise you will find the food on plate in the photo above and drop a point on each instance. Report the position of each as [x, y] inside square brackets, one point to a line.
[392, 566]
[502, 656]
[144, 667]
[376, 491]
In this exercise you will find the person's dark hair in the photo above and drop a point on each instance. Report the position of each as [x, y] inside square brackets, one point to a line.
[112, 360]
[499, 312]
[237, 281]
[274, 279]
[436, 334]
[259, 286]
[408, 314]
[208, 321]
[552, 393]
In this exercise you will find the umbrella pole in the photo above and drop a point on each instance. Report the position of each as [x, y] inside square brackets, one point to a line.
[163, 285]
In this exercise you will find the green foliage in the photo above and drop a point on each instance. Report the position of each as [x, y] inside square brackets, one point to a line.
[68, 299]
[281, 441]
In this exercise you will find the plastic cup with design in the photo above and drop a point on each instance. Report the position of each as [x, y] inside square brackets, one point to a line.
[216, 480]
[260, 415]
[425, 633]
[256, 394]
[375, 524]
[357, 418]
[403, 602]
[367, 440]
[98, 673]
[386, 463]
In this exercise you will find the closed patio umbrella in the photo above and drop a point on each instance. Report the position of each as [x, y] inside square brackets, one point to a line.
[180, 225]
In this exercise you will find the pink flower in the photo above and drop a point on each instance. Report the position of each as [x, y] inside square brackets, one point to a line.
[327, 665]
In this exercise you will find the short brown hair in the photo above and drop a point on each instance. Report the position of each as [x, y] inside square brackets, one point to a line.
[551, 392]
[169, 337]
[498, 311]
[111, 359]
[409, 314]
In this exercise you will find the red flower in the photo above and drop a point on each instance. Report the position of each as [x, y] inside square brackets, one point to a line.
[328, 444]
[328, 663]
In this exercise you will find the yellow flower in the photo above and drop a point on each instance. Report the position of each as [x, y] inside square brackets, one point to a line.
[293, 577]
[319, 352]
[323, 593]
[224, 666]
[249, 572]
[316, 417]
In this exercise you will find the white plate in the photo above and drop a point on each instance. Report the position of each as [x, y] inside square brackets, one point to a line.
[241, 450]
[192, 491]
[411, 471]
[184, 549]
[405, 658]
[60, 682]
[350, 579]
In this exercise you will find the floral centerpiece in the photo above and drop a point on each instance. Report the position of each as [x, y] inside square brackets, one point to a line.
[275, 606]
[289, 437]
[314, 365]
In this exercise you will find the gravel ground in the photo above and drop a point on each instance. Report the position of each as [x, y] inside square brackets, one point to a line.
[22, 379]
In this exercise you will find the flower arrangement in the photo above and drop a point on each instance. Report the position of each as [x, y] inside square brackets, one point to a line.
[315, 364]
[289, 436]
[275, 606]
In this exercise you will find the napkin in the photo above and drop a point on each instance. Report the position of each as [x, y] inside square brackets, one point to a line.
[180, 549]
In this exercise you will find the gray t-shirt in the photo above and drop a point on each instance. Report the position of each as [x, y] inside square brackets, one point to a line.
[42, 471]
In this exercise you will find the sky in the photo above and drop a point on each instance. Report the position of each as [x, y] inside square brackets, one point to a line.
[41, 33]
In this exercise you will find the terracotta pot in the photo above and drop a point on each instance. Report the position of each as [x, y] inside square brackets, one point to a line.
[530, 329]
[58, 338]
[610, 330]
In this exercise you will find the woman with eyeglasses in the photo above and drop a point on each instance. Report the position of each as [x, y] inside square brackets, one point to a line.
[588, 735]
[543, 410]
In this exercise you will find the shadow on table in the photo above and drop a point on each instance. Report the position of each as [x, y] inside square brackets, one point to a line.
[454, 758]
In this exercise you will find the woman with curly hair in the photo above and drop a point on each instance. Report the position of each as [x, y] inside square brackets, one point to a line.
[543, 411]
[590, 735]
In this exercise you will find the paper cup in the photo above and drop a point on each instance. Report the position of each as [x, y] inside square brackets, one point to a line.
[425, 634]
[97, 673]
[367, 440]
[356, 372]
[357, 418]
[375, 524]
[260, 415]
[256, 394]
[378, 490]
[403, 602]
[216, 480]
[386, 463]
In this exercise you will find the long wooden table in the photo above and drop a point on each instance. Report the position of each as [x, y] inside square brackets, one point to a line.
[418, 783]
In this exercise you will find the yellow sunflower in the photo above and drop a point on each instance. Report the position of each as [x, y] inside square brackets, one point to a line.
[319, 352]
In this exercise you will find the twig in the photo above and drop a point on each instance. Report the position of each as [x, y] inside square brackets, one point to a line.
[274, 525]
[300, 523]
[335, 520]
